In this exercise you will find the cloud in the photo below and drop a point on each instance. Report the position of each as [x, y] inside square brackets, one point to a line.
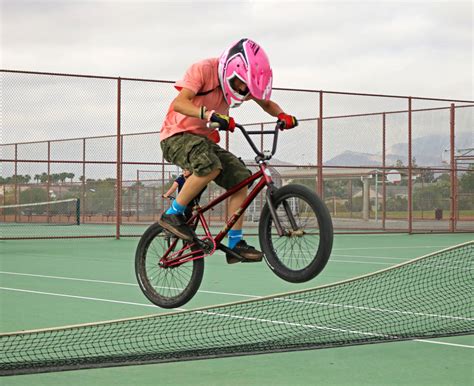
[312, 44]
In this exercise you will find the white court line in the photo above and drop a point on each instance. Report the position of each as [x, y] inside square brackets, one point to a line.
[358, 262]
[248, 296]
[113, 282]
[376, 309]
[293, 324]
[83, 297]
[443, 343]
[222, 253]
[372, 257]
[67, 278]
[394, 247]
[231, 316]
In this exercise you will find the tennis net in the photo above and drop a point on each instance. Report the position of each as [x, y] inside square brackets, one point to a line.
[427, 297]
[50, 212]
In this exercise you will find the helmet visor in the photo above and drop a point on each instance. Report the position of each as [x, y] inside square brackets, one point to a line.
[239, 86]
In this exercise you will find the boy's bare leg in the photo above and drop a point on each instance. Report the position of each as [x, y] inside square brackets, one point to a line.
[234, 203]
[249, 253]
[194, 184]
[175, 223]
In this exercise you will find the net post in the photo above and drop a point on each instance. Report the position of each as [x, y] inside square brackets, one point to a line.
[78, 211]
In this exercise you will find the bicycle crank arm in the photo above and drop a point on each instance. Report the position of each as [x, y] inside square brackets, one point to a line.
[206, 245]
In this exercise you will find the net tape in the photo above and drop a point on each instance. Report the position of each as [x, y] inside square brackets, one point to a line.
[28, 216]
[45, 203]
[424, 298]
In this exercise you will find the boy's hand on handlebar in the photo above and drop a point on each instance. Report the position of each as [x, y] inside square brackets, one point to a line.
[225, 122]
[287, 121]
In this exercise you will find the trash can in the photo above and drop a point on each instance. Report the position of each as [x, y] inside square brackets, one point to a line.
[438, 214]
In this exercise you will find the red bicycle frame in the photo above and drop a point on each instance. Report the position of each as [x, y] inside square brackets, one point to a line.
[183, 256]
[187, 253]
[265, 181]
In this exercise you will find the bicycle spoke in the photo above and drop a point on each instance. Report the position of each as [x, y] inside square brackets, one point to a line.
[298, 248]
[169, 281]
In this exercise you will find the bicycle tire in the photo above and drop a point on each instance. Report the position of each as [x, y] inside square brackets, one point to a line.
[162, 286]
[314, 227]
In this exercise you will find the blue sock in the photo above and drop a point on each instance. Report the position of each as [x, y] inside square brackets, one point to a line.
[234, 237]
[176, 208]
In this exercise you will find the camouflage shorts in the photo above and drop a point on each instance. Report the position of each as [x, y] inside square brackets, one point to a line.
[202, 156]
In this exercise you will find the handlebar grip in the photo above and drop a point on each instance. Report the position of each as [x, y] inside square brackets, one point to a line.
[281, 125]
[213, 125]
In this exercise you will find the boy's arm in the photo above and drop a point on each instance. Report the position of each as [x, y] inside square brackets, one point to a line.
[171, 190]
[183, 104]
[269, 106]
[273, 109]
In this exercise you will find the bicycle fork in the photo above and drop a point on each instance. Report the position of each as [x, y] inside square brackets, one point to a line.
[269, 200]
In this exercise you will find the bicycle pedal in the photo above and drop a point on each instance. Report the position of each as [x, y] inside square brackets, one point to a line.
[234, 260]
[169, 234]
[251, 261]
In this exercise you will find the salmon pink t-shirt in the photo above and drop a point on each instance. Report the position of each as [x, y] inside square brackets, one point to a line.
[199, 78]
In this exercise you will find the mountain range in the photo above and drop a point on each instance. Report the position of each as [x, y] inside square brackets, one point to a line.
[427, 151]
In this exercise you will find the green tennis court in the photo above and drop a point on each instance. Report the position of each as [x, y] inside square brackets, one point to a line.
[47, 283]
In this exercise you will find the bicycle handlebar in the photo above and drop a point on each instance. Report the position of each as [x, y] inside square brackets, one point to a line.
[260, 156]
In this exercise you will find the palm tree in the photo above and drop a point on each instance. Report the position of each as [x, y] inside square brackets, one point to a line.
[64, 176]
[55, 177]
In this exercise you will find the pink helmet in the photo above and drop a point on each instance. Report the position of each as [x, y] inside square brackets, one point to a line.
[247, 61]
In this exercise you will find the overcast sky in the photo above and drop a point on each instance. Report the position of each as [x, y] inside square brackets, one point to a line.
[413, 48]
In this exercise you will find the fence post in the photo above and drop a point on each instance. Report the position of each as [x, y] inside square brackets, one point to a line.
[138, 195]
[384, 171]
[83, 182]
[320, 147]
[48, 182]
[452, 222]
[410, 169]
[118, 197]
[16, 201]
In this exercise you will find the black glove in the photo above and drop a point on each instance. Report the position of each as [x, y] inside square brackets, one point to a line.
[225, 122]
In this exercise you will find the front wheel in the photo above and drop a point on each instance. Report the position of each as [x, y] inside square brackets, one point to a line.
[303, 251]
[165, 286]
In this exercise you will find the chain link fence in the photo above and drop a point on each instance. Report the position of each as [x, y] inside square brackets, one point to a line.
[381, 163]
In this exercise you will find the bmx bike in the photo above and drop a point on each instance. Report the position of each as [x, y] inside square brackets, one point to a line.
[295, 234]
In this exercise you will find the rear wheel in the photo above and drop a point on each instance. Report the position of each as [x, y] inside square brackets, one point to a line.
[304, 250]
[167, 287]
